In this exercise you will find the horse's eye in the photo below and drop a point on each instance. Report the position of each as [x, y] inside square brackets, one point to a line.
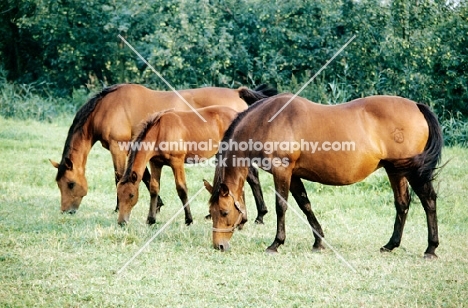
[131, 196]
[71, 185]
[224, 213]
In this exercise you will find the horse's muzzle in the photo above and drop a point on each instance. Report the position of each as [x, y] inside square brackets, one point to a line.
[70, 211]
[223, 246]
[123, 219]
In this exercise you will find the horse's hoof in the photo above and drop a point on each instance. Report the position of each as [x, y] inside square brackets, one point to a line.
[318, 249]
[188, 222]
[430, 256]
[271, 251]
[383, 249]
[150, 221]
[259, 221]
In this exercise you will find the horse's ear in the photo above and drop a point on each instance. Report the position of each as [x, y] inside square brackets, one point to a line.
[208, 186]
[54, 163]
[133, 177]
[224, 190]
[68, 164]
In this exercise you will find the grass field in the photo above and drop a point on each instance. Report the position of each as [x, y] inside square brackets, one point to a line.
[49, 259]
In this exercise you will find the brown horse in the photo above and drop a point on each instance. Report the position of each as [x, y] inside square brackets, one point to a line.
[171, 139]
[333, 145]
[112, 116]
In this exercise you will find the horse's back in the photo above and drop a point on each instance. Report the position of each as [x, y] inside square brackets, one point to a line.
[131, 103]
[339, 144]
[392, 125]
[209, 96]
[120, 112]
[190, 135]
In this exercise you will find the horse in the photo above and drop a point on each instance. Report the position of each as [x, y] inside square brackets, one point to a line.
[112, 116]
[170, 138]
[333, 145]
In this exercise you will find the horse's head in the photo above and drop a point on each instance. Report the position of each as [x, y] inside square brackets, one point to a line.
[72, 184]
[127, 196]
[227, 214]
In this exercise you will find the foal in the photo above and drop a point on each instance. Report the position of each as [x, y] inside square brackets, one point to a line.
[170, 138]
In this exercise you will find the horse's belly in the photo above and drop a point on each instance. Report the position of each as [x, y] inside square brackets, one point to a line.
[336, 170]
[327, 178]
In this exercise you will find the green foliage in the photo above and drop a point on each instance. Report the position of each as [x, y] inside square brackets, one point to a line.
[451, 61]
[416, 49]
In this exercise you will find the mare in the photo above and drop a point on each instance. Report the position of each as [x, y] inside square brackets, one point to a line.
[354, 139]
[112, 117]
[176, 137]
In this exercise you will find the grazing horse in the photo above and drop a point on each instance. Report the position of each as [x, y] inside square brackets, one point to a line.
[112, 116]
[171, 139]
[333, 145]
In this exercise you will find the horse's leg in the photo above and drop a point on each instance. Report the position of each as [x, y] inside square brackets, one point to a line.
[254, 182]
[117, 176]
[154, 187]
[177, 166]
[299, 193]
[282, 181]
[244, 216]
[147, 180]
[402, 201]
[119, 158]
[428, 196]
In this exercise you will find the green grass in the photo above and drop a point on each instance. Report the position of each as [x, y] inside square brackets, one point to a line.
[48, 259]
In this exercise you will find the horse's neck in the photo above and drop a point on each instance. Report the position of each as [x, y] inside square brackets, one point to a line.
[141, 159]
[235, 176]
[80, 147]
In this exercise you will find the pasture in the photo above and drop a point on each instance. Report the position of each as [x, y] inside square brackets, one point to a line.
[49, 259]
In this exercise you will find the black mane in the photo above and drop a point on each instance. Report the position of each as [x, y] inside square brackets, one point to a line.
[260, 92]
[78, 122]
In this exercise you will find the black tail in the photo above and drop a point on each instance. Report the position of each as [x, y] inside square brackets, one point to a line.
[422, 166]
[432, 154]
[251, 96]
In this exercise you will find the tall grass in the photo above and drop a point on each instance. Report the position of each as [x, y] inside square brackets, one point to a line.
[35, 101]
[455, 129]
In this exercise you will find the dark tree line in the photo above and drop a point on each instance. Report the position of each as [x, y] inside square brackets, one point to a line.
[413, 48]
